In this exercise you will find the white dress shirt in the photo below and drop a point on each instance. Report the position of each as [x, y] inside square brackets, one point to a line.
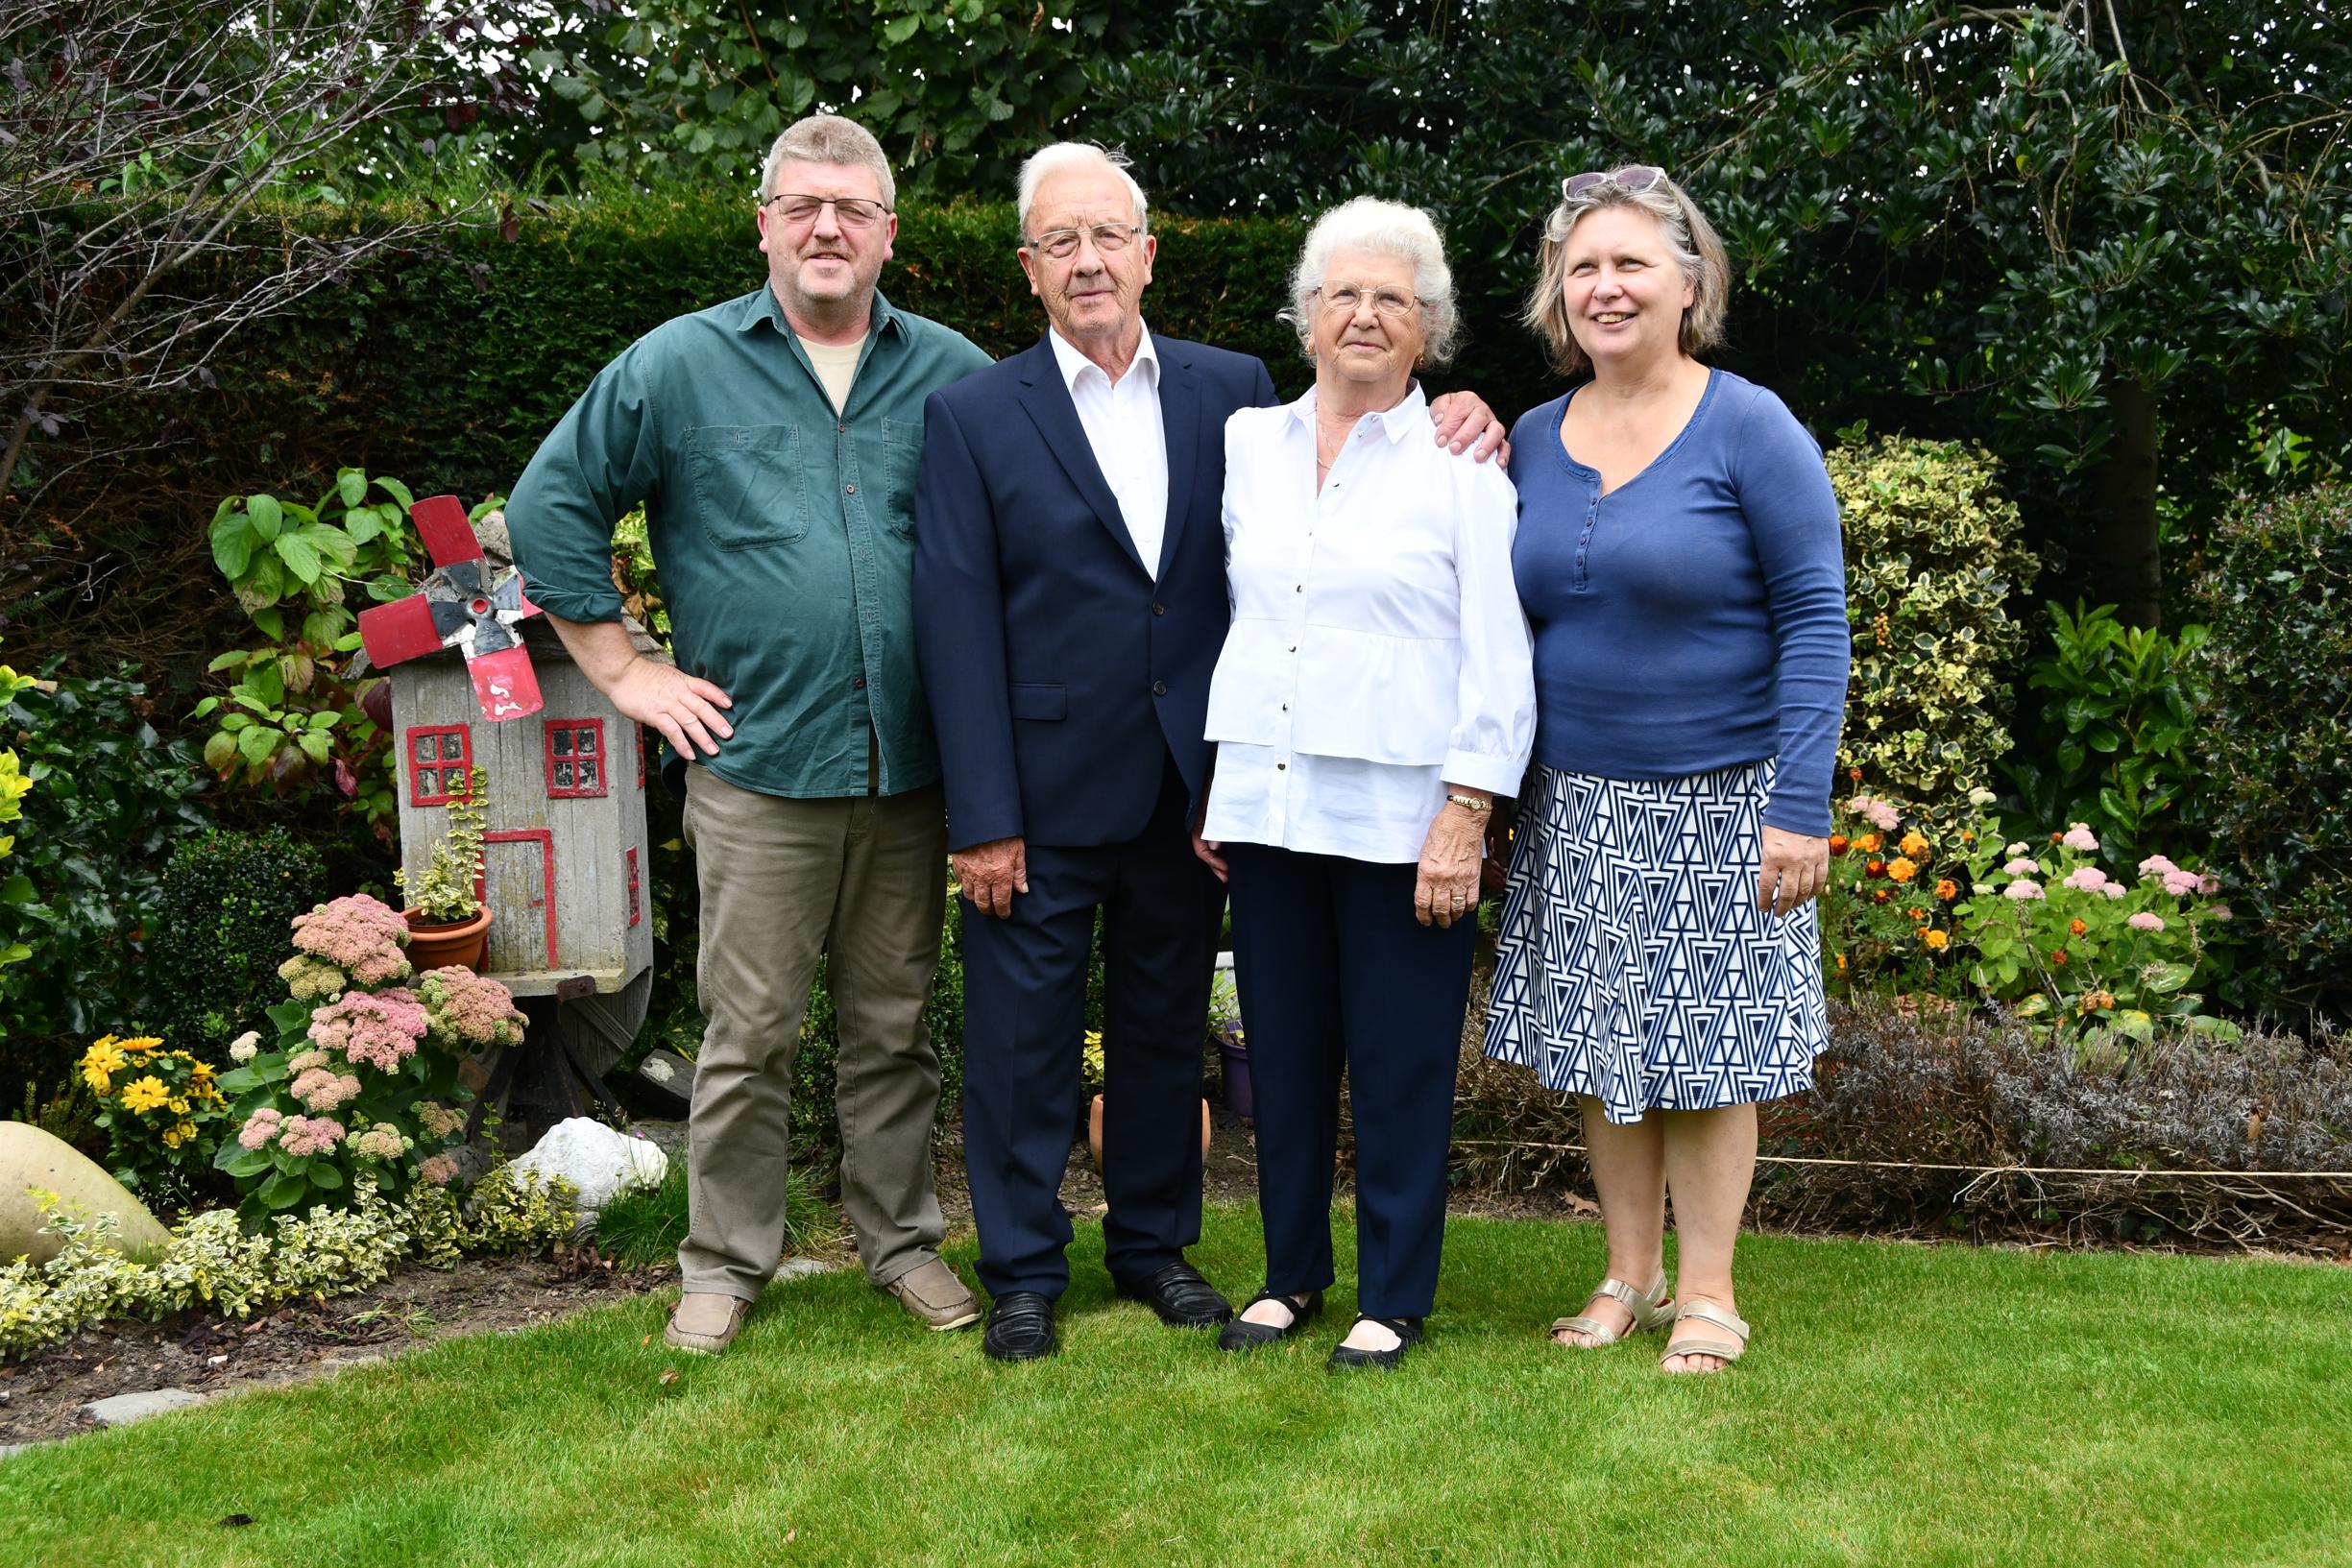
[1121, 421]
[1378, 652]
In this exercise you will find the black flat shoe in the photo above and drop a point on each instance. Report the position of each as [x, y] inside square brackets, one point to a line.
[1020, 1326]
[1241, 1334]
[1181, 1297]
[1347, 1359]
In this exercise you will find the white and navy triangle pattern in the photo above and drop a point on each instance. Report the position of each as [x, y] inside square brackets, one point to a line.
[1634, 965]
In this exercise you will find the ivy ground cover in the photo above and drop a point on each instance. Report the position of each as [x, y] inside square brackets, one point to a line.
[1903, 1404]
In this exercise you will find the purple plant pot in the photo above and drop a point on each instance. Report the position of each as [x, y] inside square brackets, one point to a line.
[1233, 1063]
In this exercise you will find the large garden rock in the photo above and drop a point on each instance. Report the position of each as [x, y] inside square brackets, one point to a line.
[593, 1158]
[31, 1158]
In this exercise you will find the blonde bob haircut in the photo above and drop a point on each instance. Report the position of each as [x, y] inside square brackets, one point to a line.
[1688, 234]
[1386, 228]
[829, 138]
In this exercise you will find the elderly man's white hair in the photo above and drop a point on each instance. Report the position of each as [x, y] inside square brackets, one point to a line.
[1386, 228]
[1060, 158]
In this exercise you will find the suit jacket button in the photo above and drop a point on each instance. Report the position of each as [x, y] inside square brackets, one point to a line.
[1159, 609]
[1160, 688]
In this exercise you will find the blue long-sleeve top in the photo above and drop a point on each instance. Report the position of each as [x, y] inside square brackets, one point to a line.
[1694, 617]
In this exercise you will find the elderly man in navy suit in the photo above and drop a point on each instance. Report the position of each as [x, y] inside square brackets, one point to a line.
[1069, 606]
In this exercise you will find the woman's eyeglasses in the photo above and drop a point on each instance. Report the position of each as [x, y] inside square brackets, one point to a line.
[1634, 177]
[1344, 297]
[849, 211]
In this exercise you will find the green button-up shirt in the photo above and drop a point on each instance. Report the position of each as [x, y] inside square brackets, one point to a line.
[784, 532]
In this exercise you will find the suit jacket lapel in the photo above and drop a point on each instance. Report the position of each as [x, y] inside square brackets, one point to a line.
[1046, 401]
[1181, 431]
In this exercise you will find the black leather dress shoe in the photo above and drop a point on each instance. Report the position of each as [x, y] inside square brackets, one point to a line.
[1020, 1326]
[1347, 1359]
[1242, 1335]
[1181, 1297]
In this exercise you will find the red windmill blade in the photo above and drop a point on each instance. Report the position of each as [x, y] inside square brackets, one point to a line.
[466, 604]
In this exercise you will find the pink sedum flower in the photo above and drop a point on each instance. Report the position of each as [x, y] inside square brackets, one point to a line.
[2021, 847]
[2025, 865]
[2180, 884]
[323, 1089]
[464, 1011]
[2087, 879]
[360, 935]
[439, 1120]
[2022, 890]
[310, 1135]
[2208, 883]
[380, 1029]
[438, 1168]
[2156, 865]
[260, 1127]
[2146, 920]
[2114, 890]
[2079, 837]
[2222, 911]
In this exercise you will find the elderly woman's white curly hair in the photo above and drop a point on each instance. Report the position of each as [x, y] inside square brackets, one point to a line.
[1387, 228]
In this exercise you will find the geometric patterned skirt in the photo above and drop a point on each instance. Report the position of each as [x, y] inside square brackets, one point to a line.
[1634, 965]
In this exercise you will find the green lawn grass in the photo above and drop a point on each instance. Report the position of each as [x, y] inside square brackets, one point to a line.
[1902, 1405]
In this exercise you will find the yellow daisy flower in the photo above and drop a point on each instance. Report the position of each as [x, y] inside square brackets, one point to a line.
[144, 1095]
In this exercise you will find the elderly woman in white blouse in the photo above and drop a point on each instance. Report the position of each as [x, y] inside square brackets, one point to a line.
[1373, 694]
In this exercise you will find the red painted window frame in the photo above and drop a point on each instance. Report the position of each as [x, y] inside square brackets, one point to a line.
[408, 753]
[604, 758]
[637, 903]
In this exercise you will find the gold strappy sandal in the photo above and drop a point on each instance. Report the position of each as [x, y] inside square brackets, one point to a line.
[1707, 1311]
[1650, 1308]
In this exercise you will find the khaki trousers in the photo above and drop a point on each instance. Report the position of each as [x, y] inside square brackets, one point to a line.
[862, 880]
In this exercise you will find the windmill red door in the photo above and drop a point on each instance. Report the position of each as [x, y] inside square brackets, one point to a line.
[519, 875]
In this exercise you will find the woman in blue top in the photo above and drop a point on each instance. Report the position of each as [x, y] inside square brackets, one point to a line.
[1679, 560]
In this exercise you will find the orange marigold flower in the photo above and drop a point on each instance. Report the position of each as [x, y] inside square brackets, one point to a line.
[1868, 843]
[1841, 963]
[1947, 888]
[1880, 895]
[2097, 1001]
[1919, 917]
[2077, 928]
[1838, 843]
[2057, 955]
[1937, 941]
[1874, 867]
[1968, 838]
[1901, 869]
[1914, 845]
[1855, 774]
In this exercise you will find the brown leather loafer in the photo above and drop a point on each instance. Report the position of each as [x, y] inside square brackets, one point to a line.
[705, 1322]
[932, 1294]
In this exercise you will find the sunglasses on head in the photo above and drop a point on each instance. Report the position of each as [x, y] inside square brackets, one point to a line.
[1634, 177]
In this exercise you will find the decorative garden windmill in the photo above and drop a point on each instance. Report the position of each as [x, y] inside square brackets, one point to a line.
[466, 604]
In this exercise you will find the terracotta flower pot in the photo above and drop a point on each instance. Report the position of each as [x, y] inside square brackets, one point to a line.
[439, 944]
[1094, 1130]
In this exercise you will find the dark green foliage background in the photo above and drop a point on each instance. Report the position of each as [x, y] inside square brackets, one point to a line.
[109, 799]
[2276, 741]
[223, 910]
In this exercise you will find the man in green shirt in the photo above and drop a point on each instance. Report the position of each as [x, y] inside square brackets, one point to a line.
[774, 441]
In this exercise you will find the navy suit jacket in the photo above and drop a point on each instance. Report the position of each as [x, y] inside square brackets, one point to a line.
[1061, 668]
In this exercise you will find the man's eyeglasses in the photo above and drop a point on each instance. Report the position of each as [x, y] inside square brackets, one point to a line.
[1344, 297]
[1061, 244]
[849, 211]
[1634, 177]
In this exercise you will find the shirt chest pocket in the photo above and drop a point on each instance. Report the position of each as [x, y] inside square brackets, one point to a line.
[902, 458]
[749, 484]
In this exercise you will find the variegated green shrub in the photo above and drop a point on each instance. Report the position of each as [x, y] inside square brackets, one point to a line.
[1933, 555]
